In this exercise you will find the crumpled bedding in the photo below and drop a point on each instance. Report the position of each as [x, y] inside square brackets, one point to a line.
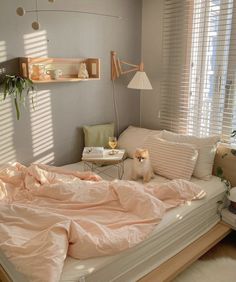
[47, 213]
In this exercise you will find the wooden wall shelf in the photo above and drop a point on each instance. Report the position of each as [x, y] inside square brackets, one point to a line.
[38, 69]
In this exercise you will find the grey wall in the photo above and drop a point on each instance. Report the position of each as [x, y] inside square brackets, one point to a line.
[52, 133]
[152, 57]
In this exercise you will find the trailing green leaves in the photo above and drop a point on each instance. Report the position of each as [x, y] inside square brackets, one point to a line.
[219, 170]
[18, 88]
[220, 174]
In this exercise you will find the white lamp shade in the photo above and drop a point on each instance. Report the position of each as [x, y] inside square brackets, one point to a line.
[232, 195]
[140, 81]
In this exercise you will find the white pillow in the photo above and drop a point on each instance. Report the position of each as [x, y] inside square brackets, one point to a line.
[206, 151]
[133, 138]
[170, 159]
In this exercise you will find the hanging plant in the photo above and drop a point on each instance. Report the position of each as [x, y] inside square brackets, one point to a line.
[220, 174]
[18, 88]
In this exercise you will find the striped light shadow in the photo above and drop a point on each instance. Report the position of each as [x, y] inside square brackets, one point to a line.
[42, 129]
[35, 45]
[48, 159]
[7, 150]
[3, 51]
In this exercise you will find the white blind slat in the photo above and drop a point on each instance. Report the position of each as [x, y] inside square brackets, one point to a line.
[198, 91]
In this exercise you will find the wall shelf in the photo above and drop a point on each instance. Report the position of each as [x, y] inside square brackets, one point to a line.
[36, 69]
[65, 79]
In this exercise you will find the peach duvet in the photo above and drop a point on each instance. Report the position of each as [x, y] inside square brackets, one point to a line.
[47, 213]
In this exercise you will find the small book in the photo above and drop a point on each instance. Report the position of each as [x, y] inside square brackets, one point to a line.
[93, 152]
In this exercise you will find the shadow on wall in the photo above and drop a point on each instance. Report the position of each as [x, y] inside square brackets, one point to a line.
[42, 129]
[7, 148]
[7, 151]
[35, 129]
[3, 51]
[35, 45]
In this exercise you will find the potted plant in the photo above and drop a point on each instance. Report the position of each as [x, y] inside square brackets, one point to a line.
[220, 172]
[18, 88]
[233, 134]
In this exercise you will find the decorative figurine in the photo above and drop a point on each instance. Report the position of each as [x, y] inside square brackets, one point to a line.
[83, 73]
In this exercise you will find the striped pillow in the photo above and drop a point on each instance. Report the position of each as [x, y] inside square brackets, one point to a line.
[206, 147]
[170, 159]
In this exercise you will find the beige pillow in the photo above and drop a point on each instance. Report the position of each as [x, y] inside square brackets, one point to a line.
[133, 138]
[170, 159]
[206, 151]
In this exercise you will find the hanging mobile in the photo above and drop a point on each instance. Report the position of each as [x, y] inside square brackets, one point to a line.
[20, 11]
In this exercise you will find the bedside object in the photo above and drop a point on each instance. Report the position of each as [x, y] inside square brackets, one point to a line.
[98, 164]
[140, 80]
[229, 218]
[226, 160]
[112, 143]
[232, 198]
[93, 152]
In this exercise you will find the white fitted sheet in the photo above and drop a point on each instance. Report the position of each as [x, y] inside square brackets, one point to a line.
[179, 227]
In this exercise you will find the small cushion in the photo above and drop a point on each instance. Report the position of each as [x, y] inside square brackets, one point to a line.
[170, 159]
[98, 135]
[206, 147]
[133, 138]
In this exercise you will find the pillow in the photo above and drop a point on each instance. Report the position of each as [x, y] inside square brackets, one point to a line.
[133, 138]
[170, 159]
[98, 135]
[206, 151]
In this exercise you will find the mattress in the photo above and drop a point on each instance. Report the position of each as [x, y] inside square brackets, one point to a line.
[179, 227]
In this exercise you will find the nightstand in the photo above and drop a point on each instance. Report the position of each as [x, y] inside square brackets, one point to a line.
[229, 218]
[99, 165]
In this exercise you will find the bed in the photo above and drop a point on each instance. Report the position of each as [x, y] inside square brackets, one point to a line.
[183, 235]
[179, 228]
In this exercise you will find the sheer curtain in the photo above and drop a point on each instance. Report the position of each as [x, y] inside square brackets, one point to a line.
[199, 56]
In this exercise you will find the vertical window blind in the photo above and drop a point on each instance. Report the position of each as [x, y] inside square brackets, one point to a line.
[199, 58]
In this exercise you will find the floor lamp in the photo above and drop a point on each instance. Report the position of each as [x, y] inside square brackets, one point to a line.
[139, 81]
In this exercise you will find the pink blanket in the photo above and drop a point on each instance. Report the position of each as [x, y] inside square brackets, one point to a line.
[47, 213]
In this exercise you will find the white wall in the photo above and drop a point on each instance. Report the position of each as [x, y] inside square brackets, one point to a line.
[152, 57]
[53, 132]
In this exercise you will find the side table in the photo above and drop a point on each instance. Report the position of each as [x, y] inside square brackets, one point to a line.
[229, 218]
[102, 165]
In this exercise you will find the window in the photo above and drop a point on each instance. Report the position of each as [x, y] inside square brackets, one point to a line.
[198, 92]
